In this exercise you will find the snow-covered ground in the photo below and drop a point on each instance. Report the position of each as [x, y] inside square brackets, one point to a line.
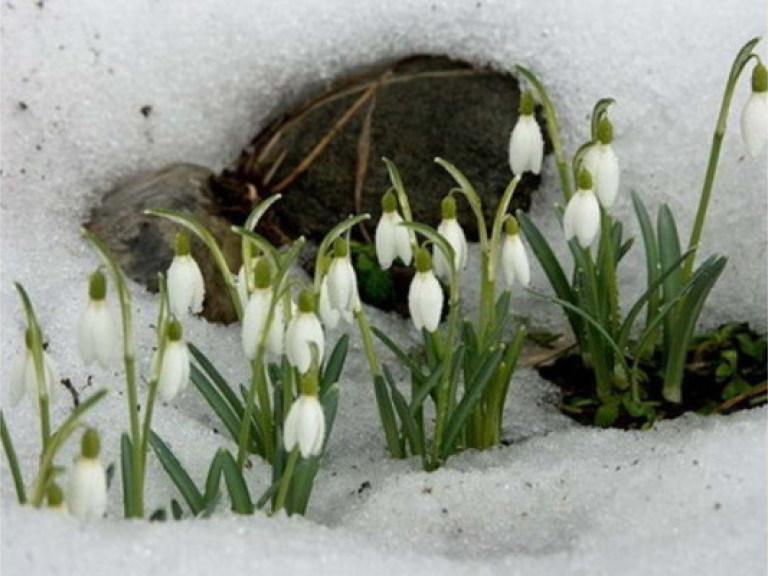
[688, 497]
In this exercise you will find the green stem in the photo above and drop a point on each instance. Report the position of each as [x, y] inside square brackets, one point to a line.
[739, 63]
[285, 481]
[13, 461]
[124, 297]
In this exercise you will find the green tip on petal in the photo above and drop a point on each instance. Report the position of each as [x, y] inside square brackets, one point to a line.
[97, 286]
[308, 383]
[175, 331]
[55, 496]
[526, 104]
[605, 131]
[423, 260]
[262, 274]
[91, 444]
[307, 301]
[389, 202]
[585, 180]
[181, 243]
[448, 208]
[759, 78]
[340, 248]
[510, 225]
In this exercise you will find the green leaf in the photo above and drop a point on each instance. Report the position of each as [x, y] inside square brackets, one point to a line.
[413, 433]
[652, 262]
[402, 357]
[176, 510]
[607, 414]
[669, 253]
[224, 389]
[335, 363]
[551, 267]
[126, 472]
[471, 397]
[216, 401]
[685, 321]
[178, 474]
[13, 462]
[387, 416]
[236, 486]
[330, 402]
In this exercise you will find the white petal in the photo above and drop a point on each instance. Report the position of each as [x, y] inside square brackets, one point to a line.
[87, 490]
[452, 231]
[305, 426]
[403, 244]
[186, 289]
[385, 239]
[515, 261]
[304, 330]
[328, 315]
[526, 146]
[425, 301]
[254, 320]
[582, 217]
[603, 164]
[174, 375]
[342, 285]
[97, 335]
[754, 122]
[50, 381]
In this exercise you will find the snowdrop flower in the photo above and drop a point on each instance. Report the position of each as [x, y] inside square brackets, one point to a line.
[304, 331]
[582, 215]
[24, 375]
[174, 371]
[185, 281]
[245, 285]
[754, 117]
[305, 426]
[425, 296]
[97, 336]
[392, 239]
[341, 283]
[87, 490]
[601, 161]
[329, 316]
[257, 312]
[526, 144]
[452, 231]
[514, 259]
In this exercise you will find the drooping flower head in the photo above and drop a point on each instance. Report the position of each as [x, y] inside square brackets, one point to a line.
[339, 287]
[526, 144]
[452, 231]
[582, 215]
[305, 424]
[257, 312]
[97, 335]
[514, 260]
[425, 296]
[754, 117]
[54, 497]
[186, 289]
[601, 162]
[304, 332]
[24, 375]
[87, 490]
[174, 371]
[392, 240]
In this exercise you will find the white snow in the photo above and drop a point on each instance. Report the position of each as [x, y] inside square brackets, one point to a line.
[688, 497]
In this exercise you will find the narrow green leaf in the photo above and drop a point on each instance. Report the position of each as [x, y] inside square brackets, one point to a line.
[469, 400]
[387, 416]
[330, 402]
[669, 253]
[402, 357]
[178, 474]
[216, 401]
[236, 486]
[551, 267]
[335, 363]
[216, 379]
[413, 432]
[126, 472]
[685, 322]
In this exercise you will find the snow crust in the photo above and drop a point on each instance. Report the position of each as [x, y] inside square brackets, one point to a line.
[688, 497]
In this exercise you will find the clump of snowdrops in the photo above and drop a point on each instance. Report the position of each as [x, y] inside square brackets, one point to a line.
[459, 377]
